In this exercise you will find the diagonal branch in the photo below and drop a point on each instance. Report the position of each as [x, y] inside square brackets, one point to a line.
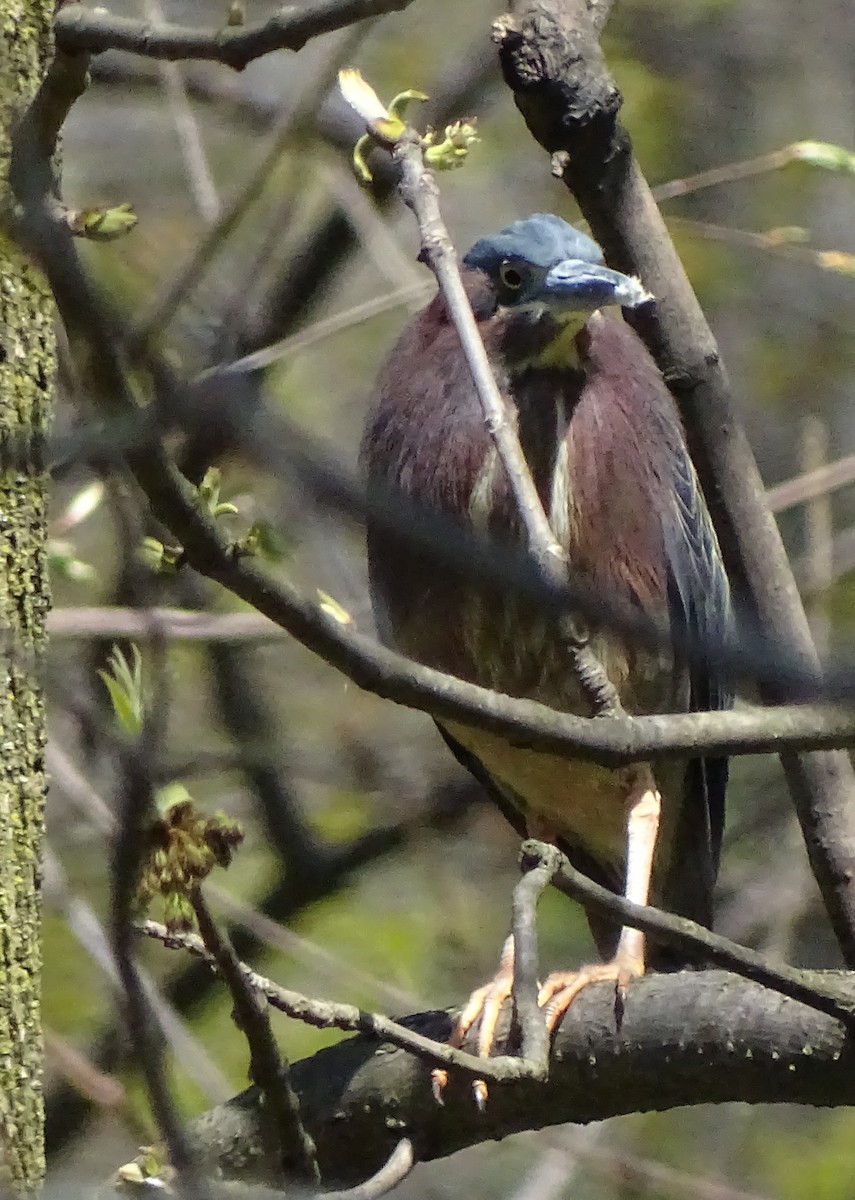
[551, 58]
[610, 741]
[419, 192]
[293, 1148]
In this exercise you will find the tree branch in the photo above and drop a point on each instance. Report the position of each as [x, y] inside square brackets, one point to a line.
[327, 1014]
[698, 943]
[419, 192]
[541, 863]
[81, 29]
[684, 1037]
[551, 58]
[292, 1147]
[610, 741]
[394, 1171]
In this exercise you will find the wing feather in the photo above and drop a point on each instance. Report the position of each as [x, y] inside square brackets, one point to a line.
[700, 614]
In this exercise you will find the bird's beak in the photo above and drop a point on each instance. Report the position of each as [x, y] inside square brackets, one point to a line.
[578, 286]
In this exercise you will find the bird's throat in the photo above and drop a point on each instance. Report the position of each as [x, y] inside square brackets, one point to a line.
[558, 350]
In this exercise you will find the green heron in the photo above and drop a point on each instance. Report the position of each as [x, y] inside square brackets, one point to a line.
[604, 443]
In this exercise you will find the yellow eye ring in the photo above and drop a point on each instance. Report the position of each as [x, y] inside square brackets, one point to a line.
[510, 276]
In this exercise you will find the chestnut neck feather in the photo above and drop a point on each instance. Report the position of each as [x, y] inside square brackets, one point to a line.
[611, 426]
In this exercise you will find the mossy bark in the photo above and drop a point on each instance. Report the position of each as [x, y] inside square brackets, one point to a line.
[27, 369]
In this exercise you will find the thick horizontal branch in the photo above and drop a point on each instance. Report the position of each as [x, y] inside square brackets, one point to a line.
[81, 29]
[690, 1038]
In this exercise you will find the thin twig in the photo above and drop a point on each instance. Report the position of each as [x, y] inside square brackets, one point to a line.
[772, 241]
[200, 177]
[419, 192]
[268, 1069]
[537, 875]
[160, 311]
[408, 295]
[394, 1171]
[301, 950]
[94, 30]
[695, 940]
[325, 1014]
[812, 484]
[728, 173]
[818, 532]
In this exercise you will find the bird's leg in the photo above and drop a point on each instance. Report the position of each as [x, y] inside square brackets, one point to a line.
[562, 987]
[642, 825]
[486, 1002]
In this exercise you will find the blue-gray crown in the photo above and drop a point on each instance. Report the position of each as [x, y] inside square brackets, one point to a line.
[542, 240]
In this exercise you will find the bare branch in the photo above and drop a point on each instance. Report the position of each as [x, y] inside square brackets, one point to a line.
[200, 178]
[695, 1033]
[817, 563]
[696, 941]
[325, 1014]
[419, 192]
[394, 1171]
[537, 875]
[80, 29]
[610, 741]
[551, 58]
[812, 484]
[175, 624]
[294, 1147]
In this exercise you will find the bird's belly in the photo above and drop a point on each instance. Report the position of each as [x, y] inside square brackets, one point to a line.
[574, 800]
[508, 649]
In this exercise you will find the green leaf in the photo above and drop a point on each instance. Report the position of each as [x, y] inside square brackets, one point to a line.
[169, 795]
[104, 224]
[825, 155]
[124, 683]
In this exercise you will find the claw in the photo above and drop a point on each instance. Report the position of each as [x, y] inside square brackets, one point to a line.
[438, 1082]
[484, 1006]
[561, 989]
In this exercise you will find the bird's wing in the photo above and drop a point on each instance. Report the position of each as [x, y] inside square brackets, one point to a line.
[700, 612]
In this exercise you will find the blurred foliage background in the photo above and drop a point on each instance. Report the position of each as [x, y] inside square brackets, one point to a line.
[373, 871]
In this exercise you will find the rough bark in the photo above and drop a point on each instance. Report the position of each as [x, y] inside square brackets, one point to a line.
[695, 1037]
[27, 364]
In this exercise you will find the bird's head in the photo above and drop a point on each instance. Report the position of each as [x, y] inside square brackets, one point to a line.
[545, 281]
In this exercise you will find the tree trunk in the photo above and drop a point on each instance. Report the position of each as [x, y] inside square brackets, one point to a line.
[27, 368]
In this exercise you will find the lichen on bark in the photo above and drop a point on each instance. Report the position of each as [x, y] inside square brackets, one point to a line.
[27, 368]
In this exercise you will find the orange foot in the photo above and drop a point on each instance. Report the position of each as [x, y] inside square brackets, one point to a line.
[555, 997]
[485, 1003]
[561, 988]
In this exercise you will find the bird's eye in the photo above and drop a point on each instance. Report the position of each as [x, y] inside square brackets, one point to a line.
[510, 276]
